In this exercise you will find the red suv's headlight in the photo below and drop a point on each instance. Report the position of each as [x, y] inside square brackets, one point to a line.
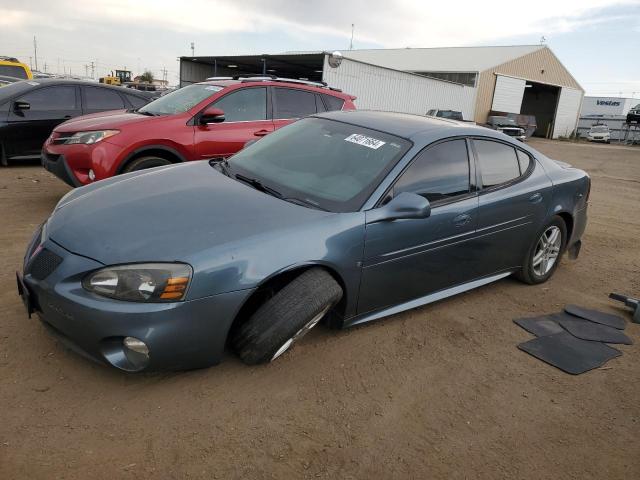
[86, 138]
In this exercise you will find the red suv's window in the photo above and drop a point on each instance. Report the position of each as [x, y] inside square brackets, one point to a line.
[244, 105]
[333, 103]
[289, 103]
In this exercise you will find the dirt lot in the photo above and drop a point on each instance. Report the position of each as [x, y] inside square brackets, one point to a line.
[437, 392]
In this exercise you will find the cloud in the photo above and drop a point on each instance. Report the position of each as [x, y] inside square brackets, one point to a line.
[389, 24]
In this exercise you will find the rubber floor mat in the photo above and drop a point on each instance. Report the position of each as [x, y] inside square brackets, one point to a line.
[568, 353]
[596, 332]
[540, 326]
[596, 316]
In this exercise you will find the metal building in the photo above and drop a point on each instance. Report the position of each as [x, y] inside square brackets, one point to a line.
[479, 81]
[521, 79]
[376, 87]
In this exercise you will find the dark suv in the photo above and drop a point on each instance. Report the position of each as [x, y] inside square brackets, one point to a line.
[208, 120]
[506, 125]
[633, 116]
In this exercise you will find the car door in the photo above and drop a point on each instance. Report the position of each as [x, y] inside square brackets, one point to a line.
[290, 104]
[99, 99]
[28, 129]
[246, 118]
[515, 196]
[408, 259]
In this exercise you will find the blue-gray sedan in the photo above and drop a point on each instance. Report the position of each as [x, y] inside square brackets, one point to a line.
[345, 216]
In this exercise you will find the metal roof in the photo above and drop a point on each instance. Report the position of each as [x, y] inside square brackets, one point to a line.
[445, 59]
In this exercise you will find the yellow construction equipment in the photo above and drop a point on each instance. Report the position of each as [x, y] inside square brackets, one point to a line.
[119, 78]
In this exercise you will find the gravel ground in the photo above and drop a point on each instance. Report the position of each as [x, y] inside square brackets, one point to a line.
[436, 392]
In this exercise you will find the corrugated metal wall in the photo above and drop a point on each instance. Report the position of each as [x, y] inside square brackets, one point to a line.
[193, 72]
[379, 88]
[540, 66]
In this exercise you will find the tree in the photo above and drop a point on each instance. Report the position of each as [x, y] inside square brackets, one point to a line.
[147, 76]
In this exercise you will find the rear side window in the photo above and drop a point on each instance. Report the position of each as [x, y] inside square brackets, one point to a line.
[319, 105]
[289, 103]
[102, 99]
[333, 103]
[524, 160]
[498, 162]
[439, 173]
[244, 105]
[51, 99]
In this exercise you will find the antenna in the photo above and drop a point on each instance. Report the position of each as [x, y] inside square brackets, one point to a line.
[351, 43]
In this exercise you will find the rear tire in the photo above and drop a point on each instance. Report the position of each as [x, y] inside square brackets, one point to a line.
[543, 257]
[286, 317]
[145, 162]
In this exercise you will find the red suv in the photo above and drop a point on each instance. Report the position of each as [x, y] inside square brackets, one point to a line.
[212, 119]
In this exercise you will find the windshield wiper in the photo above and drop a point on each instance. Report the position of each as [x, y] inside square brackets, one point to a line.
[146, 112]
[302, 201]
[258, 185]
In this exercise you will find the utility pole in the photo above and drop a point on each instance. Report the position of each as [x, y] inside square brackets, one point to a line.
[35, 51]
[31, 63]
[193, 49]
[352, 28]
[93, 69]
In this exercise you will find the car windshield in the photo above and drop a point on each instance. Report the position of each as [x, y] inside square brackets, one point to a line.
[504, 121]
[323, 163]
[600, 129]
[13, 71]
[450, 114]
[180, 100]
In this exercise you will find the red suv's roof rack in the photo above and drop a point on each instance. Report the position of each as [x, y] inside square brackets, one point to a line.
[273, 78]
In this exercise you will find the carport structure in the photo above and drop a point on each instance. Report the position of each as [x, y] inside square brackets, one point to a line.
[519, 79]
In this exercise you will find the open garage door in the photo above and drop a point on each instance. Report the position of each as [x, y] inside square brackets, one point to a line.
[507, 96]
[567, 112]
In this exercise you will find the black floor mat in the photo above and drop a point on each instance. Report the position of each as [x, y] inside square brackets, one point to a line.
[540, 326]
[596, 332]
[568, 353]
[595, 316]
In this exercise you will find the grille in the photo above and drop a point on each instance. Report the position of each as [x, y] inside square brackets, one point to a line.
[44, 264]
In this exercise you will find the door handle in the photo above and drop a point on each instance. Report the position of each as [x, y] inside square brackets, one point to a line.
[461, 219]
[535, 198]
[261, 133]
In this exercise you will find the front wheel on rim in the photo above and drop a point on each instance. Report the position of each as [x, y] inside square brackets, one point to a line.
[142, 163]
[286, 317]
[544, 256]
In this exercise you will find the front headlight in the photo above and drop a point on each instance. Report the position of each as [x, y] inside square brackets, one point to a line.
[141, 282]
[89, 138]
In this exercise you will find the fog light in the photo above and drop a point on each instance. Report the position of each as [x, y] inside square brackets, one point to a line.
[136, 345]
[92, 175]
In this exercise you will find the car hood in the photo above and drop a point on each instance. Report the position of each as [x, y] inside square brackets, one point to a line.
[102, 121]
[169, 213]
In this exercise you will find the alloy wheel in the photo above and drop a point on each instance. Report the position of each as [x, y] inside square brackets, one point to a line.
[547, 251]
[301, 333]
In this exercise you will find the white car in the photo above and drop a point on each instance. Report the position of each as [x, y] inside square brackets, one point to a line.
[599, 133]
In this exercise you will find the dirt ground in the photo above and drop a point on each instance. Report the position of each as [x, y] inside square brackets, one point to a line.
[437, 392]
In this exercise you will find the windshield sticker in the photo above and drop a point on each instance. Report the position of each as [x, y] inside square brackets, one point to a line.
[365, 141]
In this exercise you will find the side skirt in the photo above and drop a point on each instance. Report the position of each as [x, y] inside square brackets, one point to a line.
[418, 302]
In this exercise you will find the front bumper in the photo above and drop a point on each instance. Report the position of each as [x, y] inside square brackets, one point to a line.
[179, 335]
[57, 165]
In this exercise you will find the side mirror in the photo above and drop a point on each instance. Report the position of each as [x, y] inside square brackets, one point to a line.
[404, 206]
[211, 115]
[19, 105]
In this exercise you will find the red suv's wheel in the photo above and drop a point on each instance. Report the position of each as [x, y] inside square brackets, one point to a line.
[146, 162]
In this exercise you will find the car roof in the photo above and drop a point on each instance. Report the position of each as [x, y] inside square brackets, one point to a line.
[26, 85]
[406, 125]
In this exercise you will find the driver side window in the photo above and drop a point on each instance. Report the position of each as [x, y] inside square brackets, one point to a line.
[244, 105]
[438, 173]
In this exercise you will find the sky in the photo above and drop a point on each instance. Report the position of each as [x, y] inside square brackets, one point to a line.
[597, 40]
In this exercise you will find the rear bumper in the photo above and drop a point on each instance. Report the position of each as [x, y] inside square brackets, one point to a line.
[57, 165]
[179, 335]
[579, 225]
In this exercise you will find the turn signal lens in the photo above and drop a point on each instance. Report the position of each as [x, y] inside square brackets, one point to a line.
[175, 288]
